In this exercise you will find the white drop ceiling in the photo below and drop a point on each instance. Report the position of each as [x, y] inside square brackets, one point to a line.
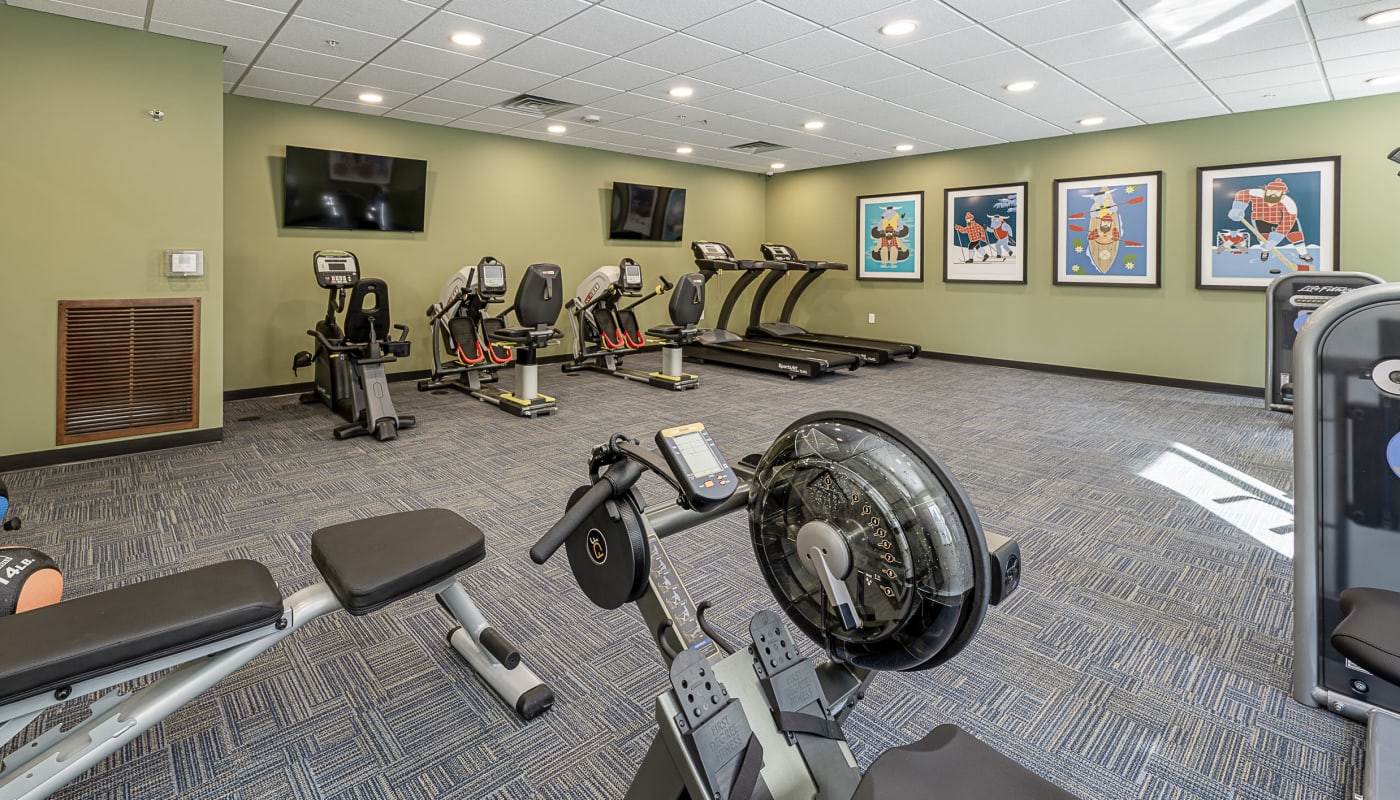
[760, 69]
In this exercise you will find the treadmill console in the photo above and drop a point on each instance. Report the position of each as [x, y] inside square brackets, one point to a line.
[631, 276]
[778, 252]
[711, 251]
[491, 278]
[336, 269]
[706, 479]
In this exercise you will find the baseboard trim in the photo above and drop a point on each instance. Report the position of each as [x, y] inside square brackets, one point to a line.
[1083, 372]
[125, 447]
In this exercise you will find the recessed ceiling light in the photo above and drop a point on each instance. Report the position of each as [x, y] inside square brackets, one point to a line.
[685, 151]
[1020, 86]
[900, 27]
[466, 39]
[1382, 17]
[1091, 121]
[1383, 80]
[556, 129]
[777, 165]
[904, 148]
[814, 125]
[681, 91]
[371, 97]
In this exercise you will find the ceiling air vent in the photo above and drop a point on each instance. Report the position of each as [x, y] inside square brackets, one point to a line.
[757, 148]
[535, 105]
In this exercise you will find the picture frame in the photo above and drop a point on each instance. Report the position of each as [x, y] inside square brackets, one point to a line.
[890, 229]
[1245, 238]
[984, 230]
[1108, 230]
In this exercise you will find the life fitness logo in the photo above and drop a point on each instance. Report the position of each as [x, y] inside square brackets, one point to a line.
[597, 547]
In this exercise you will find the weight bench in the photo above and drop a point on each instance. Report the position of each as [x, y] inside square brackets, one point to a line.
[1369, 635]
[208, 622]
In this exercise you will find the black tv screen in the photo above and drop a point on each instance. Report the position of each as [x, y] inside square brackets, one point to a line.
[655, 213]
[353, 191]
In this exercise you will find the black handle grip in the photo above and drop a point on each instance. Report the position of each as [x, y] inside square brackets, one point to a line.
[500, 647]
[554, 538]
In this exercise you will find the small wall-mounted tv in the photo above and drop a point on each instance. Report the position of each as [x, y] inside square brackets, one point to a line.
[353, 191]
[655, 213]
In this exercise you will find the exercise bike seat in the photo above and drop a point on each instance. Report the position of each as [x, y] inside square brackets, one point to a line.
[1368, 633]
[370, 563]
[959, 765]
[59, 645]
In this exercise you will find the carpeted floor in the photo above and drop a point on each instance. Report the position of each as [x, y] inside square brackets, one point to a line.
[1147, 654]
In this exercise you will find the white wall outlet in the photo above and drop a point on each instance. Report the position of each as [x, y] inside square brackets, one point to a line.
[872, 319]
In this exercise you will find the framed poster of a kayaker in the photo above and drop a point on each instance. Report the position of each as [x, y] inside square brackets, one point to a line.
[891, 233]
[1255, 222]
[984, 230]
[1108, 230]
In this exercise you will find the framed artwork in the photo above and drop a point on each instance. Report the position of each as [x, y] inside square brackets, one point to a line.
[891, 233]
[1108, 230]
[1255, 222]
[984, 229]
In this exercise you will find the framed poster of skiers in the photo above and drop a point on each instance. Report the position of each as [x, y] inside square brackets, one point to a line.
[1258, 221]
[985, 234]
[1108, 230]
[891, 233]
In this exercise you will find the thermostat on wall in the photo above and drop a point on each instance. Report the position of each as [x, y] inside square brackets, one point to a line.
[184, 263]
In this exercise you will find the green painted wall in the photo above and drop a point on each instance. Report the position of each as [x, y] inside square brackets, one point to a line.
[95, 192]
[519, 200]
[1177, 331]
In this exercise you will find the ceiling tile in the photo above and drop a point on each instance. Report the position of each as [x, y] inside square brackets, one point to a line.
[416, 116]
[1306, 74]
[1139, 61]
[1345, 21]
[460, 92]
[281, 97]
[476, 125]
[1125, 39]
[734, 102]
[1314, 6]
[126, 13]
[387, 17]
[937, 52]
[740, 71]
[550, 56]
[783, 115]
[426, 60]
[673, 15]
[236, 48]
[845, 103]
[1178, 21]
[350, 92]
[813, 50]
[1367, 66]
[540, 15]
[630, 104]
[261, 78]
[572, 91]
[1130, 96]
[934, 18]
[604, 117]
[983, 10]
[504, 76]
[358, 108]
[870, 70]
[273, 5]
[235, 19]
[752, 27]
[1140, 82]
[1257, 37]
[232, 71]
[308, 34]
[1355, 86]
[438, 30]
[1275, 97]
[1277, 58]
[831, 12]
[396, 80]
[1068, 18]
[991, 73]
[650, 127]
[620, 74]
[680, 53]
[440, 108]
[606, 31]
[792, 88]
[700, 89]
[1361, 44]
[499, 116]
[305, 62]
[1180, 109]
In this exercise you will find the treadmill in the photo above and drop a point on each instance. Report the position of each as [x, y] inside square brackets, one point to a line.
[781, 259]
[721, 346]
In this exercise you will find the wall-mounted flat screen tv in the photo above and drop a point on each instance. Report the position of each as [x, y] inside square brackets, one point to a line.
[655, 213]
[353, 191]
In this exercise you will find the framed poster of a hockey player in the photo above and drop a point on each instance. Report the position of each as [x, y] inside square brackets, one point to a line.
[1255, 222]
[890, 229]
[1108, 230]
[984, 230]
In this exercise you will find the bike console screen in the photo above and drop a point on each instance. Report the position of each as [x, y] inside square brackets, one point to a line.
[705, 477]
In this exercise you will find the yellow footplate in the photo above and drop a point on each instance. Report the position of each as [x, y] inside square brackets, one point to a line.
[539, 398]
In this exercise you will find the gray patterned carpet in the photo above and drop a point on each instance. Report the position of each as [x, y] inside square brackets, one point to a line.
[1147, 654]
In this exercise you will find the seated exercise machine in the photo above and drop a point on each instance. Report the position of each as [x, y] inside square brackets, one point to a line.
[604, 331]
[1289, 301]
[1346, 588]
[350, 361]
[484, 344]
[781, 260]
[726, 347]
[873, 551]
[201, 625]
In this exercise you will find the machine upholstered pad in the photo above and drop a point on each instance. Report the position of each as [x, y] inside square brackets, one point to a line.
[958, 766]
[1369, 634]
[372, 562]
[82, 638]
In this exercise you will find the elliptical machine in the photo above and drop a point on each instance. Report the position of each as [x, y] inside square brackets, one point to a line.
[484, 344]
[871, 548]
[604, 332]
[349, 362]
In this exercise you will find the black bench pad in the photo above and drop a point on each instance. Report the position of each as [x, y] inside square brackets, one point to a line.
[1370, 634]
[952, 764]
[62, 644]
[370, 563]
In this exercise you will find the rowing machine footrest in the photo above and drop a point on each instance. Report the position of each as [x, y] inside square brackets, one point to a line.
[370, 563]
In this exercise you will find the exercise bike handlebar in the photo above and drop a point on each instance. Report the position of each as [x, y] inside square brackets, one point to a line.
[620, 477]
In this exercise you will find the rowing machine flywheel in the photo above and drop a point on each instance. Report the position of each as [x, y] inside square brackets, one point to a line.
[868, 543]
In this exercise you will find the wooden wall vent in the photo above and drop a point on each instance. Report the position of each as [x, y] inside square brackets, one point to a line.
[127, 367]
